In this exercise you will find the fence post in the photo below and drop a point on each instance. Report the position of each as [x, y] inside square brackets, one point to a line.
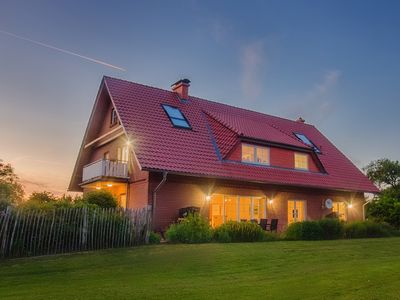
[148, 223]
[84, 229]
[4, 230]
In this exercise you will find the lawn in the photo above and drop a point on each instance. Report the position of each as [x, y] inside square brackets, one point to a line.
[344, 269]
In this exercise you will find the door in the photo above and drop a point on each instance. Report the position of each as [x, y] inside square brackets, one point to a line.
[296, 211]
[122, 200]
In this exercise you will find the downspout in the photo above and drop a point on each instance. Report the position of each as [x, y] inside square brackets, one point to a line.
[153, 208]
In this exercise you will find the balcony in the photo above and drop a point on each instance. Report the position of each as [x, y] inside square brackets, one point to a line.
[105, 168]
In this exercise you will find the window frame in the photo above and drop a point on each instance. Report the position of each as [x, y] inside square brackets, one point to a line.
[114, 117]
[312, 145]
[173, 118]
[255, 162]
[307, 160]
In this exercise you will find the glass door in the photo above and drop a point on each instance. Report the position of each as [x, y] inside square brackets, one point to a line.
[296, 211]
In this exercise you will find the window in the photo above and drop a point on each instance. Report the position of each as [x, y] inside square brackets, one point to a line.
[176, 117]
[306, 141]
[255, 154]
[107, 155]
[122, 153]
[114, 117]
[301, 161]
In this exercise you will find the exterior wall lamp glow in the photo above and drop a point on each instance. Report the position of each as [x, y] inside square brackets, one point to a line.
[350, 205]
[208, 197]
[270, 201]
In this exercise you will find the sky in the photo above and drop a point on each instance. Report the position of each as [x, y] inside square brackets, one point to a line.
[334, 63]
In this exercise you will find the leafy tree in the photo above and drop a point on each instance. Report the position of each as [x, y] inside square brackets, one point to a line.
[42, 197]
[11, 191]
[384, 172]
[385, 206]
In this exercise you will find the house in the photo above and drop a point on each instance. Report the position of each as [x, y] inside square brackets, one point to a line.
[170, 150]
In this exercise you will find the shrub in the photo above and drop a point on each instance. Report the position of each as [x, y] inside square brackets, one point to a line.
[192, 229]
[386, 207]
[367, 229]
[306, 230]
[271, 236]
[331, 229]
[239, 232]
[100, 198]
[154, 238]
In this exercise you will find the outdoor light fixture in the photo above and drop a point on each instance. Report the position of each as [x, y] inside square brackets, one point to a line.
[109, 185]
[98, 188]
[350, 205]
[270, 201]
[208, 197]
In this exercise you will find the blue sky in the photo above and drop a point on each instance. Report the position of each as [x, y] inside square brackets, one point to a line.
[335, 63]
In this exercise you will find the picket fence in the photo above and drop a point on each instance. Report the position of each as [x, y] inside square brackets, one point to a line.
[25, 232]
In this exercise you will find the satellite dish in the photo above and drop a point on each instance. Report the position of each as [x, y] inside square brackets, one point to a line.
[328, 203]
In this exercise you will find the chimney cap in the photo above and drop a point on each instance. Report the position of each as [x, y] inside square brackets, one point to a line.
[184, 80]
[300, 120]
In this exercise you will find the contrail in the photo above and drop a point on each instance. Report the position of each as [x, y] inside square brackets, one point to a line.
[62, 50]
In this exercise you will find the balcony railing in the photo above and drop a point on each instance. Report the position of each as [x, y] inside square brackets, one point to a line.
[105, 168]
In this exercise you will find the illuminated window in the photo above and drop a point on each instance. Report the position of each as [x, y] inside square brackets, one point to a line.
[176, 117]
[114, 117]
[255, 154]
[301, 161]
[306, 141]
[340, 209]
[122, 153]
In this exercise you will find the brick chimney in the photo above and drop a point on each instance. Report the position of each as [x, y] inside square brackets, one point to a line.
[181, 87]
[300, 120]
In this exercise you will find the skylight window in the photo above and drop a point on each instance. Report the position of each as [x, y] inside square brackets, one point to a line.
[306, 141]
[176, 116]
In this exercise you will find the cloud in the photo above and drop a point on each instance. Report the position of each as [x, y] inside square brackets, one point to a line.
[253, 61]
[316, 104]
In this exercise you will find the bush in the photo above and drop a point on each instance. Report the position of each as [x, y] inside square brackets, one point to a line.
[239, 232]
[367, 229]
[100, 198]
[306, 230]
[386, 207]
[192, 229]
[332, 229]
[154, 238]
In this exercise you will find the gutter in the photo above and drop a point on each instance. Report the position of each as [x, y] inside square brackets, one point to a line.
[153, 208]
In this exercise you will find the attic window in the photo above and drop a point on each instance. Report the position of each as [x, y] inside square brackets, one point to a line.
[176, 117]
[306, 141]
[114, 117]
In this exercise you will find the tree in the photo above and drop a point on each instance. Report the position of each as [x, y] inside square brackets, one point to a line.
[42, 197]
[384, 172]
[386, 206]
[100, 198]
[11, 191]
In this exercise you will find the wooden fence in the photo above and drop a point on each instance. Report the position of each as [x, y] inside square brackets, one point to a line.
[25, 232]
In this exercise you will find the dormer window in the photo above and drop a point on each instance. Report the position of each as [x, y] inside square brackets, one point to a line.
[176, 117]
[114, 117]
[306, 141]
[255, 154]
[301, 161]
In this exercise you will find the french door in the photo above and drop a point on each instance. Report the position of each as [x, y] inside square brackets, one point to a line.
[296, 211]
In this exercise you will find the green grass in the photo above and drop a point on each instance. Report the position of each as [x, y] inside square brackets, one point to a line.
[342, 269]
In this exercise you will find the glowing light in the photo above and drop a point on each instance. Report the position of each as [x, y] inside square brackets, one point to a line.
[350, 205]
[109, 185]
[98, 188]
[270, 201]
[208, 197]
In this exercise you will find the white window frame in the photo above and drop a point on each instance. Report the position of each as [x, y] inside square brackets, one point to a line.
[303, 155]
[255, 147]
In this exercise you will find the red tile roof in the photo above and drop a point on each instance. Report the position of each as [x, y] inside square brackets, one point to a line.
[215, 130]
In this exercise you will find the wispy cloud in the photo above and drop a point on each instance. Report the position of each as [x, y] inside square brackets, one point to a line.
[316, 104]
[253, 61]
[62, 50]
